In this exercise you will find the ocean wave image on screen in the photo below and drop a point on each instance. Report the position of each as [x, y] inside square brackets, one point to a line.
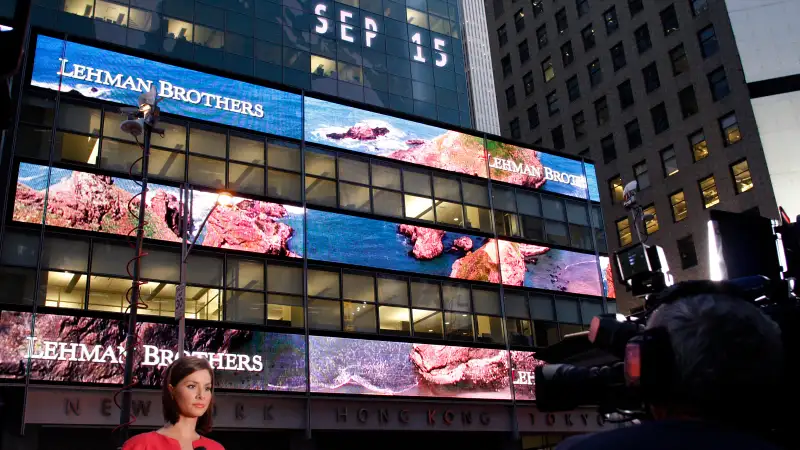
[358, 366]
[86, 201]
[390, 137]
[380, 244]
[91, 350]
[106, 75]
[554, 269]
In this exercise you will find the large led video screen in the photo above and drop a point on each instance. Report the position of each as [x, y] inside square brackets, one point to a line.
[380, 244]
[106, 75]
[542, 267]
[359, 366]
[390, 137]
[540, 170]
[92, 350]
[92, 202]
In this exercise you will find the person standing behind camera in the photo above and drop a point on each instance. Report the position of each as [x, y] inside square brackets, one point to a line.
[725, 382]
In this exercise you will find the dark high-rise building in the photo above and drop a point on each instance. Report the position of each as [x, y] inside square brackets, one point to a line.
[338, 249]
[653, 92]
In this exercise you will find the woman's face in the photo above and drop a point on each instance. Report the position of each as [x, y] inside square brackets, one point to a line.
[193, 394]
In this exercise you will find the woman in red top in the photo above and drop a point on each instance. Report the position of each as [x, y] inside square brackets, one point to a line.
[187, 396]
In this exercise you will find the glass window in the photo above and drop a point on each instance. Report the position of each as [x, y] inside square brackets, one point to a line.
[320, 191]
[519, 332]
[633, 134]
[417, 182]
[283, 155]
[350, 73]
[203, 269]
[177, 29]
[285, 310]
[111, 13]
[456, 297]
[79, 118]
[505, 62]
[458, 326]
[511, 98]
[610, 18]
[554, 208]
[557, 134]
[244, 274]
[579, 125]
[385, 176]
[447, 188]
[425, 294]
[502, 35]
[730, 129]
[359, 317]
[641, 175]
[207, 142]
[708, 190]
[478, 218]
[678, 202]
[567, 310]
[582, 6]
[660, 119]
[283, 185]
[669, 162]
[351, 169]
[650, 219]
[244, 178]
[247, 149]
[323, 283]
[651, 79]
[552, 103]
[527, 82]
[77, 148]
[206, 172]
[392, 290]
[419, 207]
[617, 188]
[609, 148]
[475, 193]
[687, 252]
[320, 163]
[718, 83]
[395, 320]
[742, 180]
[359, 287]
[108, 258]
[547, 70]
[324, 314]
[119, 156]
[567, 55]
[587, 35]
[489, 329]
[709, 45]
[642, 36]
[486, 301]
[697, 141]
[680, 63]
[601, 111]
[618, 56]
[699, 6]
[524, 51]
[427, 323]
[285, 279]
[573, 88]
[538, 8]
[143, 20]
[211, 38]
[561, 20]
[669, 20]
[519, 20]
[595, 72]
[242, 306]
[354, 197]
[83, 8]
[387, 203]
[624, 231]
[541, 36]
[417, 18]
[688, 102]
[533, 116]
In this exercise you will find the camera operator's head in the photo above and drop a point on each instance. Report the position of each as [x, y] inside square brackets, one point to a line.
[727, 356]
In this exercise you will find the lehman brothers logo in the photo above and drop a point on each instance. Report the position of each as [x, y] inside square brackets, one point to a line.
[549, 174]
[152, 355]
[165, 89]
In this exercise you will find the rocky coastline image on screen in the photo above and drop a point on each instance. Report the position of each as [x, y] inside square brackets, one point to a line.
[360, 366]
[540, 267]
[390, 137]
[87, 201]
[282, 356]
[540, 170]
[116, 77]
[380, 244]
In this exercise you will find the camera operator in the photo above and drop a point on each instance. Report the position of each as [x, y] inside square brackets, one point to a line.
[726, 372]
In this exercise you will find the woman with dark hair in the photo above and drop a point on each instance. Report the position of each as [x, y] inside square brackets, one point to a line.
[187, 399]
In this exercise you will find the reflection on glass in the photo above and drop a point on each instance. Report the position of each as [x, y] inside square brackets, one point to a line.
[478, 218]
[486, 301]
[520, 332]
[456, 297]
[140, 19]
[165, 164]
[323, 283]
[353, 170]
[324, 314]
[249, 150]
[120, 156]
[323, 67]
[394, 320]
[419, 207]
[386, 177]
[490, 329]
[248, 179]
[321, 191]
[111, 12]
[245, 274]
[417, 18]
[392, 291]
[477, 194]
[174, 137]
[506, 223]
[447, 188]
[178, 29]
[282, 184]
[83, 8]
[359, 287]
[742, 178]
[77, 148]
[208, 37]
[427, 323]
[387, 203]
[319, 163]
[283, 155]
[449, 213]
[207, 142]
[206, 172]
[359, 317]
[354, 197]
[350, 73]
[458, 326]
[417, 182]
[286, 279]
[242, 306]
[425, 294]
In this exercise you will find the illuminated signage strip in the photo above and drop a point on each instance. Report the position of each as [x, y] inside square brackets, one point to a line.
[120, 78]
[274, 229]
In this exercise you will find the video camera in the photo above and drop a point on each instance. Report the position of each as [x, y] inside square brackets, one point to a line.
[622, 368]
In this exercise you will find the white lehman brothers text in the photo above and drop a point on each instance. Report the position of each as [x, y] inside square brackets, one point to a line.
[165, 89]
[152, 356]
[549, 174]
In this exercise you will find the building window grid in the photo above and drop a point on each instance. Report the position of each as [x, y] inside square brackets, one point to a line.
[688, 102]
[552, 103]
[625, 93]
[548, 72]
[601, 111]
[651, 78]
[678, 202]
[561, 21]
[660, 118]
[505, 63]
[608, 148]
[611, 20]
[511, 98]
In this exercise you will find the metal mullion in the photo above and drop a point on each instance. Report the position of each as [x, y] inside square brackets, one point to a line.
[88, 275]
[410, 307]
[264, 293]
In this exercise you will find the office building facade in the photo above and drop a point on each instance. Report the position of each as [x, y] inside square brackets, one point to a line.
[479, 67]
[362, 253]
[653, 92]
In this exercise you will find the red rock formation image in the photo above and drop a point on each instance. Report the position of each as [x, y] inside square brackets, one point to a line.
[612, 290]
[249, 225]
[451, 151]
[462, 243]
[480, 265]
[512, 263]
[427, 241]
[530, 251]
[28, 204]
[361, 132]
[515, 165]
[452, 366]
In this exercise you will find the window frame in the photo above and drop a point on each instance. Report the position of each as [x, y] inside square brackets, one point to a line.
[734, 175]
[713, 85]
[703, 191]
[681, 63]
[673, 204]
[723, 129]
[692, 144]
[674, 158]
[624, 242]
[709, 45]
[642, 35]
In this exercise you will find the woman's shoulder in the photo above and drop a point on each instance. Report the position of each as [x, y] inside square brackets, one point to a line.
[143, 441]
[209, 444]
